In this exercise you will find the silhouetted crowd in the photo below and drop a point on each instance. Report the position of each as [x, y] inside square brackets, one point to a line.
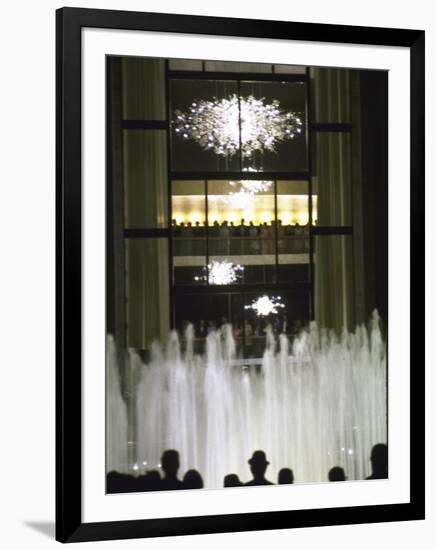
[229, 239]
[279, 324]
[170, 464]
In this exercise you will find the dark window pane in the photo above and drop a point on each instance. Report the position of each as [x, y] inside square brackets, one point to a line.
[241, 227]
[143, 90]
[189, 232]
[195, 147]
[287, 313]
[145, 178]
[293, 230]
[284, 154]
[205, 311]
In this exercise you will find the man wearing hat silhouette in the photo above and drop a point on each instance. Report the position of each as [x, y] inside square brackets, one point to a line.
[258, 465]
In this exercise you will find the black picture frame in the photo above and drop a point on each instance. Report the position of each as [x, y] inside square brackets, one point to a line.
[69, 525]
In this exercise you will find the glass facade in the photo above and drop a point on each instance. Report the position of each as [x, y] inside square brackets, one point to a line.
[233, 176]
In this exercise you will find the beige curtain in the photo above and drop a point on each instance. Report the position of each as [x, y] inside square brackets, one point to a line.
[145, 203]
[145, 179]
[147, 291]
[334, 280]
[143, 88]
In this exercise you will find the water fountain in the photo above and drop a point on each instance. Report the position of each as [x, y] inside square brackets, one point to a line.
[116, 415]
[316, 404]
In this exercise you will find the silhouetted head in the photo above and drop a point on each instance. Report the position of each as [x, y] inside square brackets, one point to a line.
[258, 464]
[379, 460]
[337, 474]
[192, 480]
[232, 480]
[286, 476]
[170, 462]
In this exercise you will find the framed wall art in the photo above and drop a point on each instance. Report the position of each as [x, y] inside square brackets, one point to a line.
[240, 274]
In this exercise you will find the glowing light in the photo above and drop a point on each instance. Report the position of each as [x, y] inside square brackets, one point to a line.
[252, 186]
[255, 186]
[241, 200]
[135, 467]
[222, 273]
[215, 124]
[265, 305]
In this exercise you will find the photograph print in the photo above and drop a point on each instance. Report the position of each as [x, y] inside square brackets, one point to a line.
[246, 274]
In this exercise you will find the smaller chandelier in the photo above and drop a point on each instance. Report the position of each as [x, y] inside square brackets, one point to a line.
[252, 186]
[241, 200]
[222, 273]
[265, 305]
[232, 123]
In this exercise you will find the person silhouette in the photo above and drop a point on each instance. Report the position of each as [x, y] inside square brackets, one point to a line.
[258, 465]
[286, 476]
[117, 482]
[152, 481]
[170, 465]
[379, 461]
[192, 480]
[232, 480]
[337, 474]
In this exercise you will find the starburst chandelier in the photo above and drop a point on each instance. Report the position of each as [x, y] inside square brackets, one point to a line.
[265, 305]
[243, 198]
[252, 186]
[229, 124]
[222, 273]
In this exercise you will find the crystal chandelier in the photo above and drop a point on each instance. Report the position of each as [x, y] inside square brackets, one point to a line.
[252, 186]
[222, 273]
[229, 124]
[243, 199]
[265, 305]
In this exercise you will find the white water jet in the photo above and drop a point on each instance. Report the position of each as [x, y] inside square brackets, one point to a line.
[318, 404]
[116, 415]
